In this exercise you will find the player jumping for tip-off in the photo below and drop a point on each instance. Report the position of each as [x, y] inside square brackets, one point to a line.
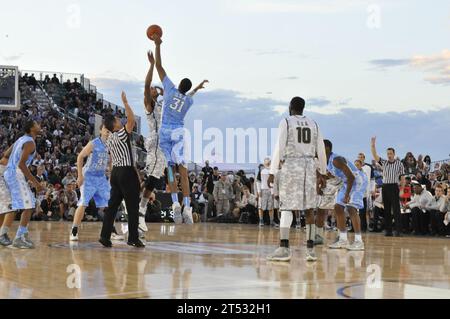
[177, 102]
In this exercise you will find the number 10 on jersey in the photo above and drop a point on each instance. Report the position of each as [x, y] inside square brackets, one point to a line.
[304, 135]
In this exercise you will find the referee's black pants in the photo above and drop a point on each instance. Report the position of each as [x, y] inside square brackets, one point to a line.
[124, 186]
[391, 203]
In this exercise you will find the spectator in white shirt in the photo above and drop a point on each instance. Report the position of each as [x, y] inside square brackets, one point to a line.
[437, 217]
[419, 205]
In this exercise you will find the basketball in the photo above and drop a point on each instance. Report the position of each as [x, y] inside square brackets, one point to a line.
[154, 29]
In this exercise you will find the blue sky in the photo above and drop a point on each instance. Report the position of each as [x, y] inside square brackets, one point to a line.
[364, 67]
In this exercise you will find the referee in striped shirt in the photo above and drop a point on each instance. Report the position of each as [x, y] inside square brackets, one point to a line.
[125, 184]
[392, 170]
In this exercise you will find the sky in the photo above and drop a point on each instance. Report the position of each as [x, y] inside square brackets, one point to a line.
[365, 68]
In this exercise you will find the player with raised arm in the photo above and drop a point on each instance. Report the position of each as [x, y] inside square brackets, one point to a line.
[177, 102]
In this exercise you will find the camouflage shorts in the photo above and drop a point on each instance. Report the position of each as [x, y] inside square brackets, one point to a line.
[155, 162]
[5, 195]
[327, 200]
[297, 186]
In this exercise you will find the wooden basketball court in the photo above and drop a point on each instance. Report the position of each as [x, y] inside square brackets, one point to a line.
[219, 261]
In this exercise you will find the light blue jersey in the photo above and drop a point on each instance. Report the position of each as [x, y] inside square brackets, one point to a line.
[359, 185]
[16, 154]
[21, 195]
[97, 162]
[96, 185]
[175, 106]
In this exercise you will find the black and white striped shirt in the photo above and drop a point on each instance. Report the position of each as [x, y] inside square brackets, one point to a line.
[392, 171]
[119, 146]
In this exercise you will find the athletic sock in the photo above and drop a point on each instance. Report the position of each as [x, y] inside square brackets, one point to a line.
[271, 220]
[186, 201]
[310, 231]
[358, 237]
[21, 230]
[143, 205]
[319, 231]
[4, 230]
[343, 235]
[174, 197]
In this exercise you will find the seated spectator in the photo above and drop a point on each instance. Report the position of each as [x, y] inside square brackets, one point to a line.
[405, 197]
[410, 164]
[378, 211]
[54, 177]
[246, 208]
[195, 196]
[68, 179]
[153, 214]
[68, 202]
[436, 216]
[418, 205]
[49, 205]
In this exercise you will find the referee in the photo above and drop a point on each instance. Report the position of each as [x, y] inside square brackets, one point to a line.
[392, 170]
[124, 178]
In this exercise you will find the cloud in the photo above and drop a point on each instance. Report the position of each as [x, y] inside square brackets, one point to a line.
[290, 78]
[314, 7]
[435, 66]
[350, 129]
[387, 63]
[318, 101]
[13, 57]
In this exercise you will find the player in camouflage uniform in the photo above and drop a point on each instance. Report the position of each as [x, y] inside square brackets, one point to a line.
[156, 161]
[299, 143]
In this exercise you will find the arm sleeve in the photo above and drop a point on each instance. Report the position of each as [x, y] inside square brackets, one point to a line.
[321, 155]
[414, 202]
[279, 147]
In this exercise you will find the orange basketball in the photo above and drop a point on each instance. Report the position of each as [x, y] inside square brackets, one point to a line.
[154, 29]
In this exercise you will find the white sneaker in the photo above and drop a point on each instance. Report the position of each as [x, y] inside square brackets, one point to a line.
[73, 237]
[187, 215]
[355, 246]
[310, 254]
[142, 224]
[117, 237]
[176, 208]
[339, 244]
[280, 254]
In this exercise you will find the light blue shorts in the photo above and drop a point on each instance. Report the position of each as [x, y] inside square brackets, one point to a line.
[171, 142]
[97, 188]
[356, 196]
[21, 195]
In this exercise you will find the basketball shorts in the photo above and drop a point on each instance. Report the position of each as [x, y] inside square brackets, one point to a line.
[5, 195]
[97, 188]
[327, 200]
[266, 200]
[21, 195]
[356, 195]
[156, 161]
[171, 142]
[297, 186]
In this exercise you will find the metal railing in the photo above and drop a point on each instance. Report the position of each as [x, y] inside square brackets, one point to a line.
[61, 76]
